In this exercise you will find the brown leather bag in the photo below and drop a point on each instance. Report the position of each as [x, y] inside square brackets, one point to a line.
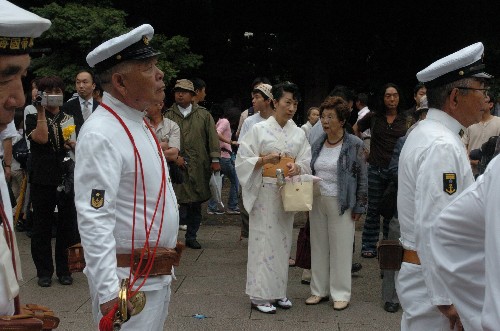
[390, 254]
[20, 323]
[76, 259]
[46, 315]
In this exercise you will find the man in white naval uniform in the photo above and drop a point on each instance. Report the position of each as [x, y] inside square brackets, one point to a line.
[466, 248]
[433, 170]
[115, 148]
[18, 27]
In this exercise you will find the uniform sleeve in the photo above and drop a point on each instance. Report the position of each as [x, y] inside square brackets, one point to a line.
[490, 315]
[431, 196]
[97, 170]
[457, 247]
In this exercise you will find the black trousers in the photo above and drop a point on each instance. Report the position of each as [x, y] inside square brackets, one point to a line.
[44, 199]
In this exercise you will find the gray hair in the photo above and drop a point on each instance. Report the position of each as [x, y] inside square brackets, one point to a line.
[437, 96]
[105, 76]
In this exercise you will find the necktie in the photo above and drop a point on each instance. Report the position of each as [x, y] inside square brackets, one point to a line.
[86, 110]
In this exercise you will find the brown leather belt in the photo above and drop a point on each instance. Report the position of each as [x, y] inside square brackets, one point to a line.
[269, 170]
[410, 257]
[164, 259]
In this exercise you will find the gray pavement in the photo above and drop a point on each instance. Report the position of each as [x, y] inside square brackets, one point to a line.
[211, 282]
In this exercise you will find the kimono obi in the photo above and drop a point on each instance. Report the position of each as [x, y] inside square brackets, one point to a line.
[269, 170]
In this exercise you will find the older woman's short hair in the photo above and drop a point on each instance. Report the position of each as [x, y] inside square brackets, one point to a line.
[339, 105]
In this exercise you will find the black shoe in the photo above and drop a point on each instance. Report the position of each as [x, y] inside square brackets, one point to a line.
[193, 243]
[44, 281]
[66, 280]
[356, 267]
[305, 282]
[391, 307]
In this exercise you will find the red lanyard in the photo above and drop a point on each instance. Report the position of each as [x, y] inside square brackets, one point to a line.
[143, 271]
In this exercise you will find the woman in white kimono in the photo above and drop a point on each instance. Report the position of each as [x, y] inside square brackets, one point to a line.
[274, 143]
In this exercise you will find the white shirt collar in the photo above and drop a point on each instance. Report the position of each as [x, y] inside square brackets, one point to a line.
[122, 109]
[185, 111]
[442, 117]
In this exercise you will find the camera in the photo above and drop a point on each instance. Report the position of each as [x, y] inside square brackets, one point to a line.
[44, 99]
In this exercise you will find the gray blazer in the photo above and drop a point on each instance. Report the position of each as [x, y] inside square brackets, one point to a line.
[351, 173]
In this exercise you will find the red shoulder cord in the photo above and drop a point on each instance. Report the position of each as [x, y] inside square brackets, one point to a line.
[9, 237]
[143, 271]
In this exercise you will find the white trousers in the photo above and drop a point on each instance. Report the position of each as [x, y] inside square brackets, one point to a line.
[153, 317]
[332, 236]
[418, 312]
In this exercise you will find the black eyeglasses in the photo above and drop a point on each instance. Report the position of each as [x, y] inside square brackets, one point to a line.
[484, 90]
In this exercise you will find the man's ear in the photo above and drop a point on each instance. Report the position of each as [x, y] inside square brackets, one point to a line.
[453, 98]
[118, 82]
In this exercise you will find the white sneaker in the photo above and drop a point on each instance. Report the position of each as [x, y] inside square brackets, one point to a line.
[183, 227]
[284, 303]
[265, 308]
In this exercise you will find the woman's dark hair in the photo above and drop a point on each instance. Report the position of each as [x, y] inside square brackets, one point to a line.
[381, 105]
[339, 105]
[49, 83]
[217, 112]
[278, 90]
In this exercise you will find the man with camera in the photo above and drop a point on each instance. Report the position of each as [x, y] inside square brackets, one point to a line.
[18, 27]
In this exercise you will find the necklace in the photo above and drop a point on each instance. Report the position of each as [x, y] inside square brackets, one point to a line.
[335, 143]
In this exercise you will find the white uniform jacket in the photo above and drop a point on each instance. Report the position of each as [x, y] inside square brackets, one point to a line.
[105, 169]
[466, 247]
[9, 287]
[433, 170]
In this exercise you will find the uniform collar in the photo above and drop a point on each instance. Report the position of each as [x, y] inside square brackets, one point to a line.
[442, 117]
[122, 109]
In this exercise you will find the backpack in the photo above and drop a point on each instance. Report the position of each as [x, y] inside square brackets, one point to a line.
[20, 152]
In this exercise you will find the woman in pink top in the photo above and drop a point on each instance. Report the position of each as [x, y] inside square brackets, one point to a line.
[226, 163]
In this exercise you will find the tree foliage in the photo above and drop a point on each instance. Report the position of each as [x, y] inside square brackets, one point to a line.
[77, 29]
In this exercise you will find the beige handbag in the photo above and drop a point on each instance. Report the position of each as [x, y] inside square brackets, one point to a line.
[297, 193]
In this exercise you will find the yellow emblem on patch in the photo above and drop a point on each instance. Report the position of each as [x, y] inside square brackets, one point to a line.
[450, 182]
[97, 198]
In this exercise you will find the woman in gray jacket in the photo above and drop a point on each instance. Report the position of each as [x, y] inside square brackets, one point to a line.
[339, 200]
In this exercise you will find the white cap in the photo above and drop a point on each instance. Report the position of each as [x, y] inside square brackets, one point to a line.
[133, 45]
[467, 62]
[18, 27]
[266, 89]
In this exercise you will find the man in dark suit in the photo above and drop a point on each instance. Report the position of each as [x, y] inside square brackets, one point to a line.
[82, 106]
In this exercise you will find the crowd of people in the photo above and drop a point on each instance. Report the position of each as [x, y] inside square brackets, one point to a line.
[124, 173]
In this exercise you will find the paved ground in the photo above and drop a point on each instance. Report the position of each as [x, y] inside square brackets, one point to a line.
[211, 281]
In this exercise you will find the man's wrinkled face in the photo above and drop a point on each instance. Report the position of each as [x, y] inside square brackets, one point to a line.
[12, 70]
